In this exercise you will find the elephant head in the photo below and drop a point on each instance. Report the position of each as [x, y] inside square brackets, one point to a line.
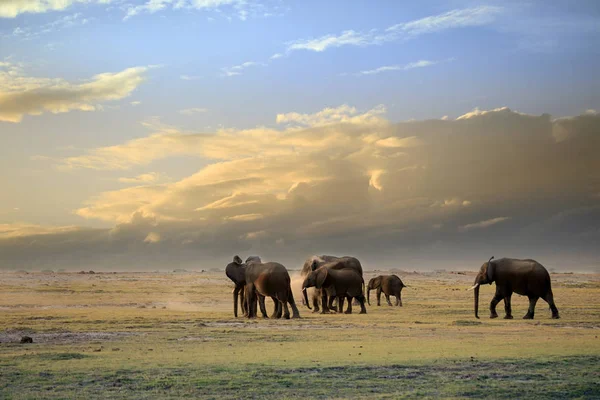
[486, 275]
[236, 271]
[314, 279]
[374, 283]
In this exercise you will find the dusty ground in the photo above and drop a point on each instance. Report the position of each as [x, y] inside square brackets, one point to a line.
[162, 335]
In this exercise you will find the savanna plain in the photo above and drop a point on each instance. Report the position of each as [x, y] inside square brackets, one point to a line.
[173, 335]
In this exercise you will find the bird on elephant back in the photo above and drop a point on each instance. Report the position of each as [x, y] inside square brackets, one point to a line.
[345, 283]
[390, 285]
[327, 296]
[525, 277]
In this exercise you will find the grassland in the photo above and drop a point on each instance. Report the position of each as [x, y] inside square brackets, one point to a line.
[173, 335]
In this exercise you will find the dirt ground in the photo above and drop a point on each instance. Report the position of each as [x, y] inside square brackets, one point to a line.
[171, 335]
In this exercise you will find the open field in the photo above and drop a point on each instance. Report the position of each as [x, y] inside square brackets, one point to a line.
[170, 335]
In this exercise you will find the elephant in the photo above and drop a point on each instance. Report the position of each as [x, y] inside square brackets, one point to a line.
[314, 262]
[269, 279]
[390, 285]
[236, 271]
[345, 282]
[525, 277]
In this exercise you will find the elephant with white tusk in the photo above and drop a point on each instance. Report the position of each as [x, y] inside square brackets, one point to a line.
[525, 277]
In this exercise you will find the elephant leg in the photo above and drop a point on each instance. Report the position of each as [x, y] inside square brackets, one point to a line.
[325, 308]
[330, 304]
[387, 298]
[379, 296]
[251, 301]
[549, 298]
[399, 299]
[507, 308]
[236, 292]
[495, 301]
[261, 302]
[340, 304]
[243, 303]
[361, 302]
[349, 309]
[315, 301]
[286, 311]
[531, 311]
[276, 308]
[295, 312]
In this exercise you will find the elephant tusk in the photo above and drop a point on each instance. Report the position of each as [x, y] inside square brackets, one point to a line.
[474, 286]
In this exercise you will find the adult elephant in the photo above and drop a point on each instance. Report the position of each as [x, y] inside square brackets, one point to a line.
[345, 282]
[313, 263]
[390, 285]
[236, 271]
[525, 277]
[269, 279]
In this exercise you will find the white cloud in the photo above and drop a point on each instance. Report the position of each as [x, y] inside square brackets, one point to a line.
[242, 8]
[346, 38]
[68, 21]
[21, 95]
[12, 8]
[483, 224]
[190, 77]
[192, 111]
[467, 17]
[237, 69]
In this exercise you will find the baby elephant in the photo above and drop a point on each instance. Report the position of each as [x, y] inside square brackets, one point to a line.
[390, 285]
[345, 283]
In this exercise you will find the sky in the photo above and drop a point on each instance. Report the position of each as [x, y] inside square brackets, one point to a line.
[414, 135]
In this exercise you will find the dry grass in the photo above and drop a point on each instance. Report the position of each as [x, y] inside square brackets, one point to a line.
[179, 329]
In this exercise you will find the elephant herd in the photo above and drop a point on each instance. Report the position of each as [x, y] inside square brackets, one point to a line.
[332, 279]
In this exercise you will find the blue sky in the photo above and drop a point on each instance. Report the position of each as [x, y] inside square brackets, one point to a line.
[104, 104]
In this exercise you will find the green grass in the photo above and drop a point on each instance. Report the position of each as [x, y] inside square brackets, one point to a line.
[554, 378]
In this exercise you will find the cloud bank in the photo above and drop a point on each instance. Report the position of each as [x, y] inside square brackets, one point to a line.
[434, 193]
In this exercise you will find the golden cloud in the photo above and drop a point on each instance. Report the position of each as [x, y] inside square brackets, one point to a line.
[22, 95]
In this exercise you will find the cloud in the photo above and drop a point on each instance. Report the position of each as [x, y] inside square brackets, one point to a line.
[241, 8]
[17, 230]
[21, 95]
[192, 111]
[483, 224]
[189, 77]
[237, 69]
[405, 67]
[152, 237]
[346, 181]
[326, 116]
[149, 177]
[68, 21]
[459, 18]
[13, 8]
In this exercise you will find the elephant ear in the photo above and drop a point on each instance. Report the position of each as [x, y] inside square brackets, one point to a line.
[237, 259]
[491, 270]
[376, 282]
[314, 265]
[321, 276]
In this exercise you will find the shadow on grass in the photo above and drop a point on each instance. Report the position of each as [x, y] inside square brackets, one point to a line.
[559, 378]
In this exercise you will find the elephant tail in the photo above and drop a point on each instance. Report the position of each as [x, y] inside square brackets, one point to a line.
[363, 287]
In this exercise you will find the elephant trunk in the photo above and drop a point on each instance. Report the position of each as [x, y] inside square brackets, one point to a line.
[476, 293]
[306, 298]
[369, 296]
